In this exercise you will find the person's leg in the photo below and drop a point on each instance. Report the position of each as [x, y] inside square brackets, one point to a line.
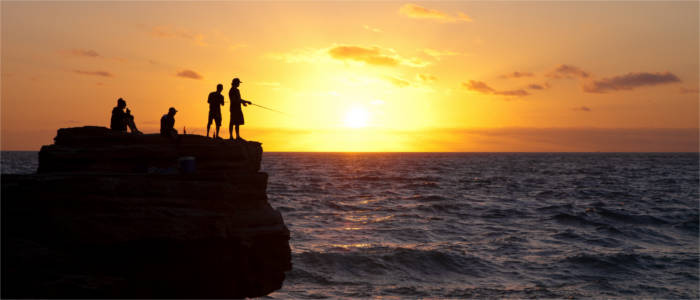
[208, 125]
[230, 130]
[238, 136]
[218, 125]
[132, 125]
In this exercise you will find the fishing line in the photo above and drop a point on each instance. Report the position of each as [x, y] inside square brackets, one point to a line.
[270, 109]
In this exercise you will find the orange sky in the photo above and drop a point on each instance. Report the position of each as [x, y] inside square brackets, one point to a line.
[391, 76]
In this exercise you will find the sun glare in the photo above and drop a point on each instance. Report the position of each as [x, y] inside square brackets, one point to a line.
[356, 118]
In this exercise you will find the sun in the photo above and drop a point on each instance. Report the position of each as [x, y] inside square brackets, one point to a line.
[356, 118]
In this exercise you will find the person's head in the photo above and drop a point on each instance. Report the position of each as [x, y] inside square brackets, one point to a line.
[121, 103]
[219, 87]
[172, 111]
[236, 82]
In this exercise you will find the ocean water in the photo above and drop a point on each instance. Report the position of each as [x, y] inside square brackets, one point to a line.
[483, 225]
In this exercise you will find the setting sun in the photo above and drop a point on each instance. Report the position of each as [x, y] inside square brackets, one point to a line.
[356, 118]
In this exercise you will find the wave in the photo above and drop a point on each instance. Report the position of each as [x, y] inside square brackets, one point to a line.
[420, 265]
[629, 218]
[575, 220]
[616, 263]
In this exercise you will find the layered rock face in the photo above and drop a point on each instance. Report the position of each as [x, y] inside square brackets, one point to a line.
[109, 215]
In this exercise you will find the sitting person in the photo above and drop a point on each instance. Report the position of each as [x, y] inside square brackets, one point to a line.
[120, 119]
[167, 124]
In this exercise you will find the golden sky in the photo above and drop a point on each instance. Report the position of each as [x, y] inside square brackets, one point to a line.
[363, 76]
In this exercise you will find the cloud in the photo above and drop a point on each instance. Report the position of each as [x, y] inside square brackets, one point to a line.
[537, 86]
[438, 54]
[568, 71]
[688, 91]
[189, 74]
[83, 52]
[478, 86]
[583, 108]
[168, 32]
[517, 93]
[372, 56]
[94, 73]
[372, 29]
[630, 81]
[483, 88]
[426, 77]
[419, 12]
[397, 81]
[517, 74]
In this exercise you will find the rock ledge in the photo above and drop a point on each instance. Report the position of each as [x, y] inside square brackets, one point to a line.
[108, 215]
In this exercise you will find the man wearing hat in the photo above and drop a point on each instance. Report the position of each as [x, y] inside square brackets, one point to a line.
[236, 112]
[167, 124]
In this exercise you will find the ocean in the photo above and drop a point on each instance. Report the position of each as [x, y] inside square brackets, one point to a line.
[483, 225]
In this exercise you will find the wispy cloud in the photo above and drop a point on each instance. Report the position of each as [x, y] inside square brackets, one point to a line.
[189, 74]
[438, 54]
[419, 12]
[369, 55]
[399, 82]
[630, 81]
[483, 88]
[94, 73]
[568, 71]
[583, 108]
[372, 29]
[426, 77]
[82, 52]
[537, 86]
[169, 32]
[478, 86]
[372, 56]
[688, 91]
[517, 74]
[517, 93]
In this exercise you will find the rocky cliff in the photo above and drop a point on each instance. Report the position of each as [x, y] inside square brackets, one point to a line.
[110, 215]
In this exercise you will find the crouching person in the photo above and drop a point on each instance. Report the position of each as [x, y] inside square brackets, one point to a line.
[121, 120]
[167, 124]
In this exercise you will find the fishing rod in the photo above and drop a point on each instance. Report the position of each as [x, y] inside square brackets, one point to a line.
[270, 109]
[251, 103]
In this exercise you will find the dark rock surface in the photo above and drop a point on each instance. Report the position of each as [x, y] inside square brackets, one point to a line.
[108, 216]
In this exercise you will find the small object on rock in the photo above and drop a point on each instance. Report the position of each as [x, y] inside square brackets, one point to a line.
[188, 164]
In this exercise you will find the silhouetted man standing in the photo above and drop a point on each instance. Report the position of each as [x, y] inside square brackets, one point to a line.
[167, 124]
[120, 119]
[236, 112]
[216, 100]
